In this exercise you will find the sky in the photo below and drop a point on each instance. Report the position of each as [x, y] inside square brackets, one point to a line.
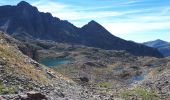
[136, 20]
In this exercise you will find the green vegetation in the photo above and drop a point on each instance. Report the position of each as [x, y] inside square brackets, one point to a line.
[139, 93]
[105, 84]
[7, 89]
[14, 57]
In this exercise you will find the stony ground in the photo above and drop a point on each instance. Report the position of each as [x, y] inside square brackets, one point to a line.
[95, 74]
[23, 78]
[108, 71]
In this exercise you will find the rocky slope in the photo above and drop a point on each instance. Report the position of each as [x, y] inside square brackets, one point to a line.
[159, 83]
[95, 74]
[23, 78]
[120, 72]
[24, 21]
[108, 71]
[162, 46]
[155, 86]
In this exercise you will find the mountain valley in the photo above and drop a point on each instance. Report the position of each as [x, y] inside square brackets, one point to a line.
[45, 58]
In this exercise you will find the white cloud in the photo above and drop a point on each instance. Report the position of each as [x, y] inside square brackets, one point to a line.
[68, 12]
[134, 27]
[49, 6]
[2, 2]
[132, 2]
[84, 15]
[139, 20]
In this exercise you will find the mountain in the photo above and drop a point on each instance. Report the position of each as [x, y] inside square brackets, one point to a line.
[24, 21]
[162, 46]
[156, 43]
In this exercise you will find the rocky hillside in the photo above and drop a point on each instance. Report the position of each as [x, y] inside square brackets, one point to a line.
[162, 46]
[109, 72]
[25, 79]
[24, 21]
[94, 74]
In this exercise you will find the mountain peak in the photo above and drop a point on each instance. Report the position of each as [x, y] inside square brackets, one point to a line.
[44, 26]
[23, 4]
[92, 22]
[156, 43]
[159, 40]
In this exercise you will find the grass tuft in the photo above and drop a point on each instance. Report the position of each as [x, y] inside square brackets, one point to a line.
[138, 92]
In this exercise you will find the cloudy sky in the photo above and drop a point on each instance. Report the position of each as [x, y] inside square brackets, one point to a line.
[137, 20]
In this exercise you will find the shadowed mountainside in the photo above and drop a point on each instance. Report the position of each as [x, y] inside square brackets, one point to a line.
[24, 21]
[162, 46]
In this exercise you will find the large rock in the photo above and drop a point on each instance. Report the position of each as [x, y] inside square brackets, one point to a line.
[33, 96]
[1, 98]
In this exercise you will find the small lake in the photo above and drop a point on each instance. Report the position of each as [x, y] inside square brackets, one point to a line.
[135, 77]
[138, 78]
[54, 62]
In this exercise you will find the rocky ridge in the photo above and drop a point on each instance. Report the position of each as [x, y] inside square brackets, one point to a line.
[162, 46]
[25, 22]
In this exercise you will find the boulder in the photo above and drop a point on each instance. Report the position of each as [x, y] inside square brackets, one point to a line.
[32, 96]
[36, 96]
[1, 98]
[84, 79]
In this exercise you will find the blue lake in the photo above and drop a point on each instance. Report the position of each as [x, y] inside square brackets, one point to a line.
[138, 78]
[54, 62]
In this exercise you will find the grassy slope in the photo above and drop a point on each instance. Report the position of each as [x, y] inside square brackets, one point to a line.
[18, 70]
[17, 64]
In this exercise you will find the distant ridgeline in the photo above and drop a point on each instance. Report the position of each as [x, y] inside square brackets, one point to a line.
[24, 21]
[162, 46]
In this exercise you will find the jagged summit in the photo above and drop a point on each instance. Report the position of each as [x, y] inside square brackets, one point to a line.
[23, 3]
[161, 45]
[24, 7]
[156, 43]
[44, 26]
[93, 22]
[159, 40]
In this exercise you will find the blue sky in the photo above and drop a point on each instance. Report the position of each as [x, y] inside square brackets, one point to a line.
[136, 20]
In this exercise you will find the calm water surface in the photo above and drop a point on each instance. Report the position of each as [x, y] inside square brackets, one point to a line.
[54, 62]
